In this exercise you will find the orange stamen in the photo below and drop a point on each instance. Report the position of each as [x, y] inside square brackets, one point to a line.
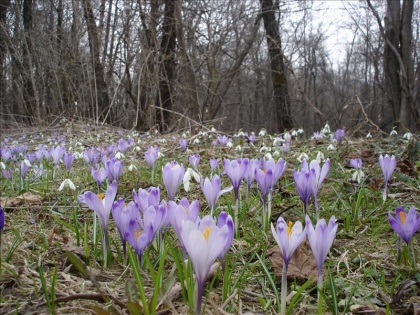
[206, 233]
[289, 228]
[402, 216]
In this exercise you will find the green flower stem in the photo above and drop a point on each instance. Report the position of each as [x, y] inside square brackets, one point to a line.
[320, 311]
[283, 289]
[236, 216]
[411, 252]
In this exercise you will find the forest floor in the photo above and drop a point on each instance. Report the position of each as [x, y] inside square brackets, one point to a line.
[52, 254]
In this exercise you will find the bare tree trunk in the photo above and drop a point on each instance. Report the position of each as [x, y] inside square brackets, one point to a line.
[167, 65]
[100, 89]
[278, 69]
[4, 6]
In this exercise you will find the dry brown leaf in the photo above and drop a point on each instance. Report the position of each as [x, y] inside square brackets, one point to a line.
[301, 266]
[26, 198]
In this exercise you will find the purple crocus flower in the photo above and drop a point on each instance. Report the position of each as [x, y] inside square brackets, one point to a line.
[212, 191]
[91, 156]
[339, 135]
[225, 219]
[277, 168]
[320, 175]
[114, 168]
[68, 159]
[172, 174]
[388, 165]
[356, 163]
[204, 241]
[235, 170]
[151, 155]
[56, 154]
[145, 198]
[264, 179]
[122, 214]
[250, 173]
[358, 174]
[183, 144]
[177, 213]
[405, 224]
[24, 168]
[102, 207]
[305, 181]
[8, 174]
[194, 160]
[214, 163]
[320, 240]
[6, 154]
[99, 175]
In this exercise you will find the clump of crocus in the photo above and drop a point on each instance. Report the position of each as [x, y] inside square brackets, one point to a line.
[102, 206]
[142, 230]
[212, 190]
[358, 174]
[204, 241]
[305, 181]
[172, 174]
[320, 240]
[388, 165]
[250, 175]
[288, 236]
[405, 225]
[145, 198]
[194, 160]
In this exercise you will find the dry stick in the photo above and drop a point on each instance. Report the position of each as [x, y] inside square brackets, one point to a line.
[367, 118]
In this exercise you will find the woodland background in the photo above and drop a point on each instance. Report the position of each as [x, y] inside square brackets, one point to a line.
[172, 64]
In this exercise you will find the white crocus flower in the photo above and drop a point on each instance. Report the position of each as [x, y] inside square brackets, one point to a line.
[67, 182]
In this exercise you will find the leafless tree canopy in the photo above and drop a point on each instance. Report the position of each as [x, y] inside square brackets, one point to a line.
[171, 64]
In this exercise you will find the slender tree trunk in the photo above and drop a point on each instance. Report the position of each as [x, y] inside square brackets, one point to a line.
[101, 96]
[4, 6]
[278, 69]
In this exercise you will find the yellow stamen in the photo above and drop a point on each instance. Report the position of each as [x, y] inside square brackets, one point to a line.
[101, 196]
[207, 232]
[137, 234]
[402, 216]
[289, 228]
[186, 210]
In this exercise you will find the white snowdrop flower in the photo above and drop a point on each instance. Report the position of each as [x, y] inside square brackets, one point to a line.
[28, 164]
[67, 182]
[277, 141]
[15, 142]
[3, 166]
[331, 147]
[229, 144]
[31, 141]
[408, 135]
[287, 137]
[300, 131]
[326, 129]
[132, 167]
[265, 149]
[213, 129]
[276, 153]
[369, 136]
[189, 174]
[160, 154]
[137, 148]
[358, 175]
[294, 133]
[240, 134]
[303, 156]
[262, 133]
[119, 156]
[78, 155]
[238, 148]
[196, 141]
[393, 132]
[320, 157]
[163, 140]
[268, 156]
